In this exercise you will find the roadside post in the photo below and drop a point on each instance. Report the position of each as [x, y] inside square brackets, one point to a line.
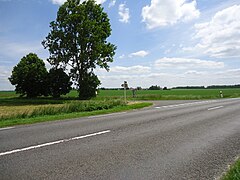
[125, 86]
[221, 94]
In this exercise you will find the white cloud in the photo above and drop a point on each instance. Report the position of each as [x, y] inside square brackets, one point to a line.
[124, 14]
[121, 56]
[186, 63]
[220, 37]
[60, 2]
[168, 12]
[112, 3]
[18, 50]
[146, 76]
[141, 53]
[4, 75]
[131, 69]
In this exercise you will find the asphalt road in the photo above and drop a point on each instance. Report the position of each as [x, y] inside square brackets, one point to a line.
[171, 140]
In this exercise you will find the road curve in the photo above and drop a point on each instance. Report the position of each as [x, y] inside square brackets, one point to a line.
[170, 140]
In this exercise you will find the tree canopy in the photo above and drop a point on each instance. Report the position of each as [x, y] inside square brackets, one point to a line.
[78, 41]
[58, 82]
[29, 76]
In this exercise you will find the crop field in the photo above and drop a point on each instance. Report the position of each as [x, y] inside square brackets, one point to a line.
[13, 108]
[16, 110]
[175, 94]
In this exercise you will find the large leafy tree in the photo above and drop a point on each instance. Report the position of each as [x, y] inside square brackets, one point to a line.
[58, 82]
[78, 39]
[29, 76]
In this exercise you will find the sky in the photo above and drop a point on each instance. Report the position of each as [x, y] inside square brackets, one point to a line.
[159, 42]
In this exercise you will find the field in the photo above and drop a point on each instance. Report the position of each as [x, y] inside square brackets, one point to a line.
[175, 94]
[13, 109]
[183, 94]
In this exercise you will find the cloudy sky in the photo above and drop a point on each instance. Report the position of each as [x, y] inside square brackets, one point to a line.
[160, 42]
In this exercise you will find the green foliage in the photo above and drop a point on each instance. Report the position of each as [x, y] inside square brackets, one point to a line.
[89, 86]
[78, 38]
[68, 107]
[233, 173]
[154, 88]
[28, 76]
[58, 82]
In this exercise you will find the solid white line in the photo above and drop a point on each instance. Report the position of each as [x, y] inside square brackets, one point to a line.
[105, 115]
[213, 108]
[1, 129]
[52, 143]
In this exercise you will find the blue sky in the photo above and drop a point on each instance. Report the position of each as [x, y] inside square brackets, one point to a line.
[160, 42]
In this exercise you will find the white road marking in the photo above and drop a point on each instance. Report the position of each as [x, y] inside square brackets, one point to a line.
[1, 129]
[213, 108]
[184, 104]
[105, 115]
[52, 143]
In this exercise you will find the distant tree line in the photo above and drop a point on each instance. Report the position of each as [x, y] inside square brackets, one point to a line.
[223, 86]
[208, 87]
[189, 87]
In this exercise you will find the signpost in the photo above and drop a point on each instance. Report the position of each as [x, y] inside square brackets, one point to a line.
[125, 86]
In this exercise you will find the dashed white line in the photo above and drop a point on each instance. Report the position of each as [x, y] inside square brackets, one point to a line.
[1, 129]
[214, 108]
[184, 104]
[52, 143]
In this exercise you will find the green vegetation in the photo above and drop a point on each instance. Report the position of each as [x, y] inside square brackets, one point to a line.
[175, 94]
[37, 111]
[32, 79]
[15, 110]
[78, 39]
[34, 110]
[28, 76]
[233, 173]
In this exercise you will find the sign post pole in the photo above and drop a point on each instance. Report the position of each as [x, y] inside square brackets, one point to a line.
[125, 86]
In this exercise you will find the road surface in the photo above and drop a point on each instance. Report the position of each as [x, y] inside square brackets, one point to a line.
[170, 140]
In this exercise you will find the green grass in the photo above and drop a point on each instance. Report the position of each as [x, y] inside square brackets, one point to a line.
[175, 94]
[44, 118]
[54, 109]
[15, 110]
[234, 172]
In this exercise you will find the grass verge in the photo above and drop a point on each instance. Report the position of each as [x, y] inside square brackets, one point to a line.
[44, 118]
[234, 172]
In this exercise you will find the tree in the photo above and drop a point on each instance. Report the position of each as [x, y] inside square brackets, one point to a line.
[58, 82]
[154, 88]
[28, 76]
[78, 39]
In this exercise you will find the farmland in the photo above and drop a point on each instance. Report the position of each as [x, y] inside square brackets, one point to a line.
[175, 94]
[13, 108]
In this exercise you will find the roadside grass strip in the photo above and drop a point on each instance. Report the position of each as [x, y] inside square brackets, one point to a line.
[64, 116]
[233, 173]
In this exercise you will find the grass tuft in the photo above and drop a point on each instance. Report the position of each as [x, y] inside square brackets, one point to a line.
[234, 172]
